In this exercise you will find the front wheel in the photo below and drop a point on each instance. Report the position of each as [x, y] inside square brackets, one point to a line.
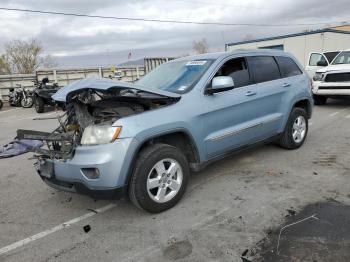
[39, 105]
[27, 102]
[296, 129]
[159, 179]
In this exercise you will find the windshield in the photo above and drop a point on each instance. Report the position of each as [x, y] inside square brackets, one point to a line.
[177, 76]
[342, 58]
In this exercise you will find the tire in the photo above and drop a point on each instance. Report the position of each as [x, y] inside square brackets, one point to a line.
[320, 100]
[39, 105]
[27, 103]
[287, 140]
[1, 104]
[140, 187]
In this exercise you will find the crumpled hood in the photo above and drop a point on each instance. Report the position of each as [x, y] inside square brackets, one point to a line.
[103, 84]
[340, 67]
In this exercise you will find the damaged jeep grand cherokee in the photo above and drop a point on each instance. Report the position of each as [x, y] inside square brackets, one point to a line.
[142, 139]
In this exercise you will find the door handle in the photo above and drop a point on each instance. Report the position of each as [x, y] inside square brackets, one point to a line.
[250, 93]
[286, 84]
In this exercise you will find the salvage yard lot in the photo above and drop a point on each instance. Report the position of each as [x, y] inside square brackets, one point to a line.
[228, 207]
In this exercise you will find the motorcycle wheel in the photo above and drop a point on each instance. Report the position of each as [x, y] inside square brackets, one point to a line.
[28, 102]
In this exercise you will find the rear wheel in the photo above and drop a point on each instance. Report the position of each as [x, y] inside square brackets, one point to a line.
[296, 129]
[320, 100]
[159, 179]
[39, 104]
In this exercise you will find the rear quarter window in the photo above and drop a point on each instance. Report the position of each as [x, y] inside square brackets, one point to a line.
[263, 68]
[287, 66]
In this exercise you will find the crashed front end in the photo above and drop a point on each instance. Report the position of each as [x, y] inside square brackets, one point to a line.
[85, 154]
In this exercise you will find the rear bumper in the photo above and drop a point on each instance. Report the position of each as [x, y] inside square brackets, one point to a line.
[111, 160]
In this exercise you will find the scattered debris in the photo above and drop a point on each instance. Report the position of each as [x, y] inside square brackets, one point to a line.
[87, 228]
[69, 199]
[19, 147]
[92, 210]
[291, 212]
[245, 260]
[315, 173]
[245, 252]
[289, 225]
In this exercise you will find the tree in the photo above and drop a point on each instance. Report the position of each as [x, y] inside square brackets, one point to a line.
[4, 66]
[200, 47]
[48, 62]
[23, 57]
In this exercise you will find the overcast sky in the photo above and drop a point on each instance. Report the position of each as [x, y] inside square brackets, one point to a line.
[78, 41]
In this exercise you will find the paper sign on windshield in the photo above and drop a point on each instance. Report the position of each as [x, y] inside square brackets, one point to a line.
[196, 63]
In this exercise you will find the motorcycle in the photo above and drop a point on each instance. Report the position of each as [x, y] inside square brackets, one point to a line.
[42, 95]
[21, 97]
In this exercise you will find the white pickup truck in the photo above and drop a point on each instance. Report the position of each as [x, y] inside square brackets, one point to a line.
[332, 80]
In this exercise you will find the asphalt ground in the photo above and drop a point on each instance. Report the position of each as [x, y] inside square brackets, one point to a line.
[228, 208]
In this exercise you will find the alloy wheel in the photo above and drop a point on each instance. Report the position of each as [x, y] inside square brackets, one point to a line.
[164, 180]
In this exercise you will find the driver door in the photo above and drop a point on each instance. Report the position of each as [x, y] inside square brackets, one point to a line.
[227, 119]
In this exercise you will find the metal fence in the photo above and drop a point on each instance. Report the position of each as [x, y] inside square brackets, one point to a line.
[66, 76]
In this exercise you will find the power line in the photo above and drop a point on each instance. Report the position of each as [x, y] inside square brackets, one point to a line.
[159, 20]
[224, 4]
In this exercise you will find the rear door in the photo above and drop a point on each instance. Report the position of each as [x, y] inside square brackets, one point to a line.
[312, 66]
[269, 92]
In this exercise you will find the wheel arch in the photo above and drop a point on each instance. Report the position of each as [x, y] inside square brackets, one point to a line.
[305, 104]
[179, 138]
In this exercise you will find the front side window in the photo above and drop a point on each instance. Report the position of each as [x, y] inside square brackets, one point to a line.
[238, 70]
[287, 66]
[315, 58]
[177, 76]
[263, 68]
[342, 58]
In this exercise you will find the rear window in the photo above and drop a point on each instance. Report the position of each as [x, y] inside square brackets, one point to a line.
[263, 68]
[331, 55]
[287, 66]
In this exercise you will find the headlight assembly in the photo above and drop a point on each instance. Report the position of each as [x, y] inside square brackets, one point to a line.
[318, 77]
[100, 134]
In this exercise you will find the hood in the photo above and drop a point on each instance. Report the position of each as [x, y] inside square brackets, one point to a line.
[104, 84]
[340, 67]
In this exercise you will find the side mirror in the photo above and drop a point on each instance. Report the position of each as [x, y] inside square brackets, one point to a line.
[220, 84]
[322, 63]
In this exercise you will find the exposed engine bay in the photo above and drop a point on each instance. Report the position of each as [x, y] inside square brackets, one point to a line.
[90, 107]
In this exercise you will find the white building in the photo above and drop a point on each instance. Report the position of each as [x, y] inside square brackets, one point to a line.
[301, 44]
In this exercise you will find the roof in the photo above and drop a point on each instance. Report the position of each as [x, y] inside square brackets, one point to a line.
[326, 30]
[217, 55]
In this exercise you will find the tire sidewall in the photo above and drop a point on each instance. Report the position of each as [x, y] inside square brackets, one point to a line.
[289, 130]
[141, 172]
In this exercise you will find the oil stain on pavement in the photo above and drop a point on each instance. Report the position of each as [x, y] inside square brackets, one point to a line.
[319, 233]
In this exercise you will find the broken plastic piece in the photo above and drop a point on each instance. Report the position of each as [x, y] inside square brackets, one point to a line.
[87, 228]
